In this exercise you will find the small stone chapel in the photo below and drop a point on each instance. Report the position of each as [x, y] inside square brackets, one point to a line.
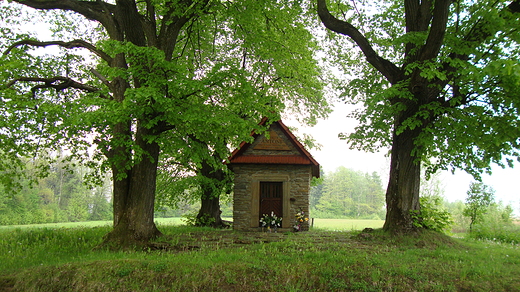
[272, 174]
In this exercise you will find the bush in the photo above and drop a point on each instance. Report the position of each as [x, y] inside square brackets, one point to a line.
[497, 225]
[432, 216]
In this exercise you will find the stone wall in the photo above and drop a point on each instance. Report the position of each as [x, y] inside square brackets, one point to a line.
[296, 179]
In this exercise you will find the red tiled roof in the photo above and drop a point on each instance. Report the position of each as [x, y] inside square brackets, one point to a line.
[272, 159]
[304, 159]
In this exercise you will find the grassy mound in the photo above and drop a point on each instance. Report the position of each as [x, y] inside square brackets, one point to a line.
[190, 259]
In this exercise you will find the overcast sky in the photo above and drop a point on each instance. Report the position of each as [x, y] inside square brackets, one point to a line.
[335, 153]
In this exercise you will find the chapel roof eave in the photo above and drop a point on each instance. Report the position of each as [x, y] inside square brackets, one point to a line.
[305, 158]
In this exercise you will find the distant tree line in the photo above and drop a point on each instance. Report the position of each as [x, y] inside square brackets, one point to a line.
[346, 193]
[62, 196]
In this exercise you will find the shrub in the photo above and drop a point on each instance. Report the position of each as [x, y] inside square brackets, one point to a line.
[497, 225]
[432, 216]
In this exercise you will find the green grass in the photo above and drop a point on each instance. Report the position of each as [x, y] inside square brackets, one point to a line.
[58, 225]
[159, 221]
[347, 224]
[327, 224]
[64, 259]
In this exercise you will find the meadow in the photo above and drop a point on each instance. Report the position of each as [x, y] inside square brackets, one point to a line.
[334, 258]
[328, 224]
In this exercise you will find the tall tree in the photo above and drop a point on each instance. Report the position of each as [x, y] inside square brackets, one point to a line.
[439, 84]
[349, 193]
[166, 70]
[480, 197]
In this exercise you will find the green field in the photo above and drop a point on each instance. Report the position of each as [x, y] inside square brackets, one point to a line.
[327, 224]
[347, 224]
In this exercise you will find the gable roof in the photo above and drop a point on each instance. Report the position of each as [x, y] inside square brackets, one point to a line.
[304, 157]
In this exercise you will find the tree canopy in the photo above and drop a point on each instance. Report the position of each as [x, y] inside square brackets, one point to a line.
[346, 193]
[438, 80]
[158, 76]
[480, 197]
[62, 196]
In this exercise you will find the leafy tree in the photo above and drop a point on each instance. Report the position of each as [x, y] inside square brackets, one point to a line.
[349, 193]
[439, 84]
[496, 224]
[456, 209]
[158, 73]
[316, 190]
[480, 197]
[62, 196]
[99, 205]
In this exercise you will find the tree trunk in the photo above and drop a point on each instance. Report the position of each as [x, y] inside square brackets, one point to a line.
[134, 197]
[209, 213]
[402, 194]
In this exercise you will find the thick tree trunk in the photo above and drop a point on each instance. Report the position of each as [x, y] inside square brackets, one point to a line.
[402, 194]
[209, 213]
[134, 198]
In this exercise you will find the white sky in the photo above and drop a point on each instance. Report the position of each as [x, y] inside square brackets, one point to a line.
[336, 152]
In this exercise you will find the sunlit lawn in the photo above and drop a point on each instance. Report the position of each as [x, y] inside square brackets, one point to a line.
[347, 224]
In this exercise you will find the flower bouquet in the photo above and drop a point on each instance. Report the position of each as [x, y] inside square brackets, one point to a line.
[300, 219]
[271, 221]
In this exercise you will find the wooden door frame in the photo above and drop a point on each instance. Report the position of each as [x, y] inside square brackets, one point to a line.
[255, 198]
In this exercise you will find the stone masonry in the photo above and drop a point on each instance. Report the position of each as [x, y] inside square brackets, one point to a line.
[296, 179]
[275, 157]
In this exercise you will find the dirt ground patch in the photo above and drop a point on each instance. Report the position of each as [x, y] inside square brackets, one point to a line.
[229, 239]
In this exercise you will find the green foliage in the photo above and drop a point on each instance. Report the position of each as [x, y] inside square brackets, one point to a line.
[195, 86]
[192, 219]
[480, 197]
[432, 215]
[62, 196]
[497, 225]
[456, 209]
[472, 121]
[438, 83]
[348, 194]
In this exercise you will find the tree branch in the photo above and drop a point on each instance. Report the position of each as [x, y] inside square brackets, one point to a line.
[69, 45]
[387, 68]
[169, 34]
[435, 38]
[57, 82]
[131, 22]
[477, 35]
[94, 10]
[90, 9]
[100, 76]
[480, 31]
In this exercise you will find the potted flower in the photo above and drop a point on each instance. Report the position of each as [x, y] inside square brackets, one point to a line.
[300, 219]
[271, 221]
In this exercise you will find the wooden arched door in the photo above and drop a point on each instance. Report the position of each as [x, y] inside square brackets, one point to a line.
[271, 198]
